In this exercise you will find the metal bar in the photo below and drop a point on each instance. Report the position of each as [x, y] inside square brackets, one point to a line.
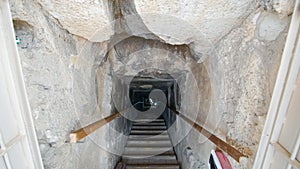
[233, 152]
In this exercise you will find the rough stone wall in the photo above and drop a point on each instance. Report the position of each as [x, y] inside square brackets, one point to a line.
[242, 69]
[81, 18]
[45, 50]
[60, 72]
[242, 76]
[250, 72]
[93, 98]
[238, 42]
[203, 82]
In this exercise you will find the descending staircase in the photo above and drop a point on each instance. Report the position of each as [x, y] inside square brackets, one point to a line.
[149, 147]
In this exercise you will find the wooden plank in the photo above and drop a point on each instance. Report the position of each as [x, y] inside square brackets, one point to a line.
[85, 131]
[233, 152]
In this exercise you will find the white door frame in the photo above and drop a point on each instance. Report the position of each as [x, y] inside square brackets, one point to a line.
[15, 112]
[283, 90]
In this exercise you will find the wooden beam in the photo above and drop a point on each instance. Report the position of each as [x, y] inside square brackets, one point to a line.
[77, 135]
[233, 152]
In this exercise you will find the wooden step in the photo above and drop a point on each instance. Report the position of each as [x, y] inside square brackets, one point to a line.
[148, 120]
[149, 137]
[148, 132]
[149, 124]
[149, 143]
[147, 151]
[149, 147]
[161, 160]
[149, 128]
[152, 166]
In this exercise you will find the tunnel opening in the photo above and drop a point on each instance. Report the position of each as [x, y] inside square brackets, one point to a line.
[152, 94]
[69, 74]
[154, 90]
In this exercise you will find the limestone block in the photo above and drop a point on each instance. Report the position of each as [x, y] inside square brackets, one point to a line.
[284, 7]
[269, 26]
[82, 18]
[177, 21]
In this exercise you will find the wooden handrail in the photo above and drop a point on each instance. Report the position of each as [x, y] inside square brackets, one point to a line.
[233, 152]
[77, 135]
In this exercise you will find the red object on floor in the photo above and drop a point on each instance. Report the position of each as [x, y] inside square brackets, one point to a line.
[223, 160]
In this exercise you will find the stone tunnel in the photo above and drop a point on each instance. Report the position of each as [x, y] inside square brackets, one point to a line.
[212, 62]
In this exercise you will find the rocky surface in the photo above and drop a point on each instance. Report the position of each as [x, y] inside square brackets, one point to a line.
[45, 50]
[60, 75]
[213, 19]
[249, 81]
[224, 54]
[283, 7]
[81, 18]
[198, 23]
